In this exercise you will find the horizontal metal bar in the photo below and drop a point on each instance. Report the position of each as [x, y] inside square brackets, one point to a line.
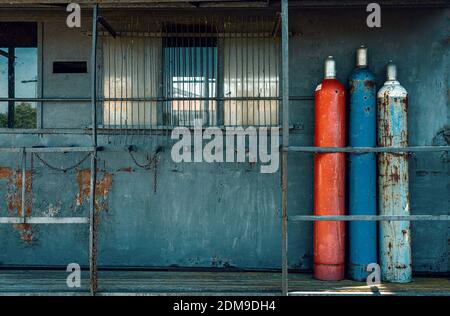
[17, 131]
[361, 293]
[361, 150]
[192, 99]
[11, 150]
[44, 220]
[377, 218]
[45, 99]
[188, 34]
[59, 149]
[46, 149]
[149, 99]
[363, 4]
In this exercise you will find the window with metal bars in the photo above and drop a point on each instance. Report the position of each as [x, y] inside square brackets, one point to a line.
[251, 81]
[190, 71]
[221, 72]
[131, 79]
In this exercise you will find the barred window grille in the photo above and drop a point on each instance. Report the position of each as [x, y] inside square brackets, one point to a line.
[190, 80]
[223, 71]
[251, 73]
[131, 68]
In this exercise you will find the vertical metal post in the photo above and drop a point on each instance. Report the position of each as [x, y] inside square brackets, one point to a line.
[11, 85]
[92, 215]
[40, 72]
[220, 78]
[94, 76]
[285, 142]
[24, 179]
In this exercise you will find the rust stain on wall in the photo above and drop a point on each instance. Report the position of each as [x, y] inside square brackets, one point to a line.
[102, 188]
[14, 199]
[5, 173]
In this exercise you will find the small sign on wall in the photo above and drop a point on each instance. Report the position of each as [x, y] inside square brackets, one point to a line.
[69, 67]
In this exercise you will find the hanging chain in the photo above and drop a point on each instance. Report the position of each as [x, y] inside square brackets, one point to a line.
[151, 163]
[48, 165]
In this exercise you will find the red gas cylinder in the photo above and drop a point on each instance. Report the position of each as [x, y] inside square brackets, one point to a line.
[329, 176]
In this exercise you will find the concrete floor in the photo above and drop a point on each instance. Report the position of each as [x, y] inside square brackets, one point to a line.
[53, 282]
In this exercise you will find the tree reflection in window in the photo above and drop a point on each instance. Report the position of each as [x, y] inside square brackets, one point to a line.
[18, 74]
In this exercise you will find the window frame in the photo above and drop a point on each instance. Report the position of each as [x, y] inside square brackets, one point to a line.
[36, 42]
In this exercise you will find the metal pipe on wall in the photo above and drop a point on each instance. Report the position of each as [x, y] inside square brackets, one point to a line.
[393, 178]
[92, 215]
[285, 144]
[24, 185]
[362, 180]
[329, 176]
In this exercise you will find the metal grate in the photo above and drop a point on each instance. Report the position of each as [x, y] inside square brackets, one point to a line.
[172, 71]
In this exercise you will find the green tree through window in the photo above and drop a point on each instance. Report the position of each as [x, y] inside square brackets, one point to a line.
[18, 74]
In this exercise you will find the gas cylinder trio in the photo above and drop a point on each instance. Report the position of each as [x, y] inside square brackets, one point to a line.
[394, 237]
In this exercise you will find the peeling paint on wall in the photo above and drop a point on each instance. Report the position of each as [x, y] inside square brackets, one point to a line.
[53, 209]
[102, 188]
[13, 199]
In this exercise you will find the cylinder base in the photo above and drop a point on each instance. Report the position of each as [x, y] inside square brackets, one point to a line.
[407, 279]
[329, 272]
[357, 272]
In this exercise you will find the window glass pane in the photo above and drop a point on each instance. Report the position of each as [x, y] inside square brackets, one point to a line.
[24, 69]
[25, 87]
[3, 87]
[3, 72]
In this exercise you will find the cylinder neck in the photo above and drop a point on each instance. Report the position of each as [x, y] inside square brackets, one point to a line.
[361, 56]
[330, 68]
[391, 72]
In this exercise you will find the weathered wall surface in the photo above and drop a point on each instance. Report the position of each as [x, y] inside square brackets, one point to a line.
[61, 43]
[226, 215]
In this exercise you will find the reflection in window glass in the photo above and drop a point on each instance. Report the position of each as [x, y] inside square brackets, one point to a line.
[3, 86]
[18, 79]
